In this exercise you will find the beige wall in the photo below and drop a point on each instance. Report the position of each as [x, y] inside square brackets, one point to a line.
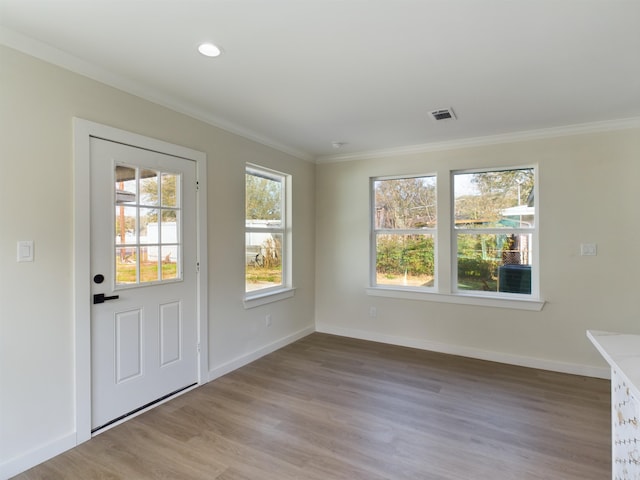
[37, 103]
[587, 190]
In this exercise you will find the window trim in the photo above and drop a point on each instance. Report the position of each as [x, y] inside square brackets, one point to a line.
[516, 303]
[267, 295]
[445, 261]
[264, 298]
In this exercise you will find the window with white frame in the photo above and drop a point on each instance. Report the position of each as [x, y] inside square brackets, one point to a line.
[404, 226]
[265, 230]
[490, 225]
[494, 230]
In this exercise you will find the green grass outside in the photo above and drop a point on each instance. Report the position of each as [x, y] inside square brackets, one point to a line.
[471, 283]
[256, 274]
[126, 272]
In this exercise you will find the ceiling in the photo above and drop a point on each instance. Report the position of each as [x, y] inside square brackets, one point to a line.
[300, 75]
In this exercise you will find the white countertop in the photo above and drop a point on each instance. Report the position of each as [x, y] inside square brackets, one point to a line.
[622, 352]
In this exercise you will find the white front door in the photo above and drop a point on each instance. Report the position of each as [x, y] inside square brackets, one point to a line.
[144, 326]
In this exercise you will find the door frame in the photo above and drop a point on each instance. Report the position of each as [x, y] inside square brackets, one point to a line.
[83, 130]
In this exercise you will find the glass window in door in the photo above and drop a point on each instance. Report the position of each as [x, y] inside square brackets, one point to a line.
[147, 226]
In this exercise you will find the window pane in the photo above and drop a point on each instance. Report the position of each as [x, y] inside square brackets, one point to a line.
[405, 203]
[263, 259]
[169, 262]
[169, 189]
[169, 216]
[149, 194]
[125, 185]
[263, 201]
[149, 264]
[126, 265]
[497, 199]
[495, 263]
[405, 260]
[149, 232]
[125, 224]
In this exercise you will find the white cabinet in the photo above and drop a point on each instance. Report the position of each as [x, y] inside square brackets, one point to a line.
[622, 352]
[625, 408]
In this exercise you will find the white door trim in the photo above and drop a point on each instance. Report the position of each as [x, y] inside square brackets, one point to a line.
[83, 130]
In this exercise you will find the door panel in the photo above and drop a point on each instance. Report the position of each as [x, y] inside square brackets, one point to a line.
[170, 329]
[143, 244]
[128, 355]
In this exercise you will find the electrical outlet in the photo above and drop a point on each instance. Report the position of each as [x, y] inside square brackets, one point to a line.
[373, 312]
[267, 320]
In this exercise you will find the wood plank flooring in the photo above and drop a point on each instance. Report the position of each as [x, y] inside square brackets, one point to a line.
[328, 407]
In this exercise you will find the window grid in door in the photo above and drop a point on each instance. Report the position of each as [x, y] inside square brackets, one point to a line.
[147, 224]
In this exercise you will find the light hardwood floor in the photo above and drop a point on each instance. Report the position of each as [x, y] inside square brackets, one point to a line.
[328, 407]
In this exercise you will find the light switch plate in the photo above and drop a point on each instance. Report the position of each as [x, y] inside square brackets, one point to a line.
[25, 251]
[588, 249]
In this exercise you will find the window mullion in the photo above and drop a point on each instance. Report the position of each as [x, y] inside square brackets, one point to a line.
[444, 243]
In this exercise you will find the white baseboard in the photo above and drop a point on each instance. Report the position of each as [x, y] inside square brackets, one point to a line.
[243, 360]
[36, 456]
[531, 362]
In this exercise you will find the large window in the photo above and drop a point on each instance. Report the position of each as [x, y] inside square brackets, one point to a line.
[494, 227]
[265, 230]
[484, 244]
[404, 222]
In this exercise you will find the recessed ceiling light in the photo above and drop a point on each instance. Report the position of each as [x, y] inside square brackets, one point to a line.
[209, 50]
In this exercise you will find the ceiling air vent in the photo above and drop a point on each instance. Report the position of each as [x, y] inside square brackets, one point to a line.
[443, 114]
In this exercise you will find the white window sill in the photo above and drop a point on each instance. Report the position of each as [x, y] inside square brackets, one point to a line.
[263, 298]
[518, 303]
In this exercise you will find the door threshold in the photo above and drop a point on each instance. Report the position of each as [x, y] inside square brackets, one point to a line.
[142, 409]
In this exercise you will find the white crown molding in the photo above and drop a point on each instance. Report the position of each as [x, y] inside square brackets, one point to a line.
[578, 129]
[47, 53]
